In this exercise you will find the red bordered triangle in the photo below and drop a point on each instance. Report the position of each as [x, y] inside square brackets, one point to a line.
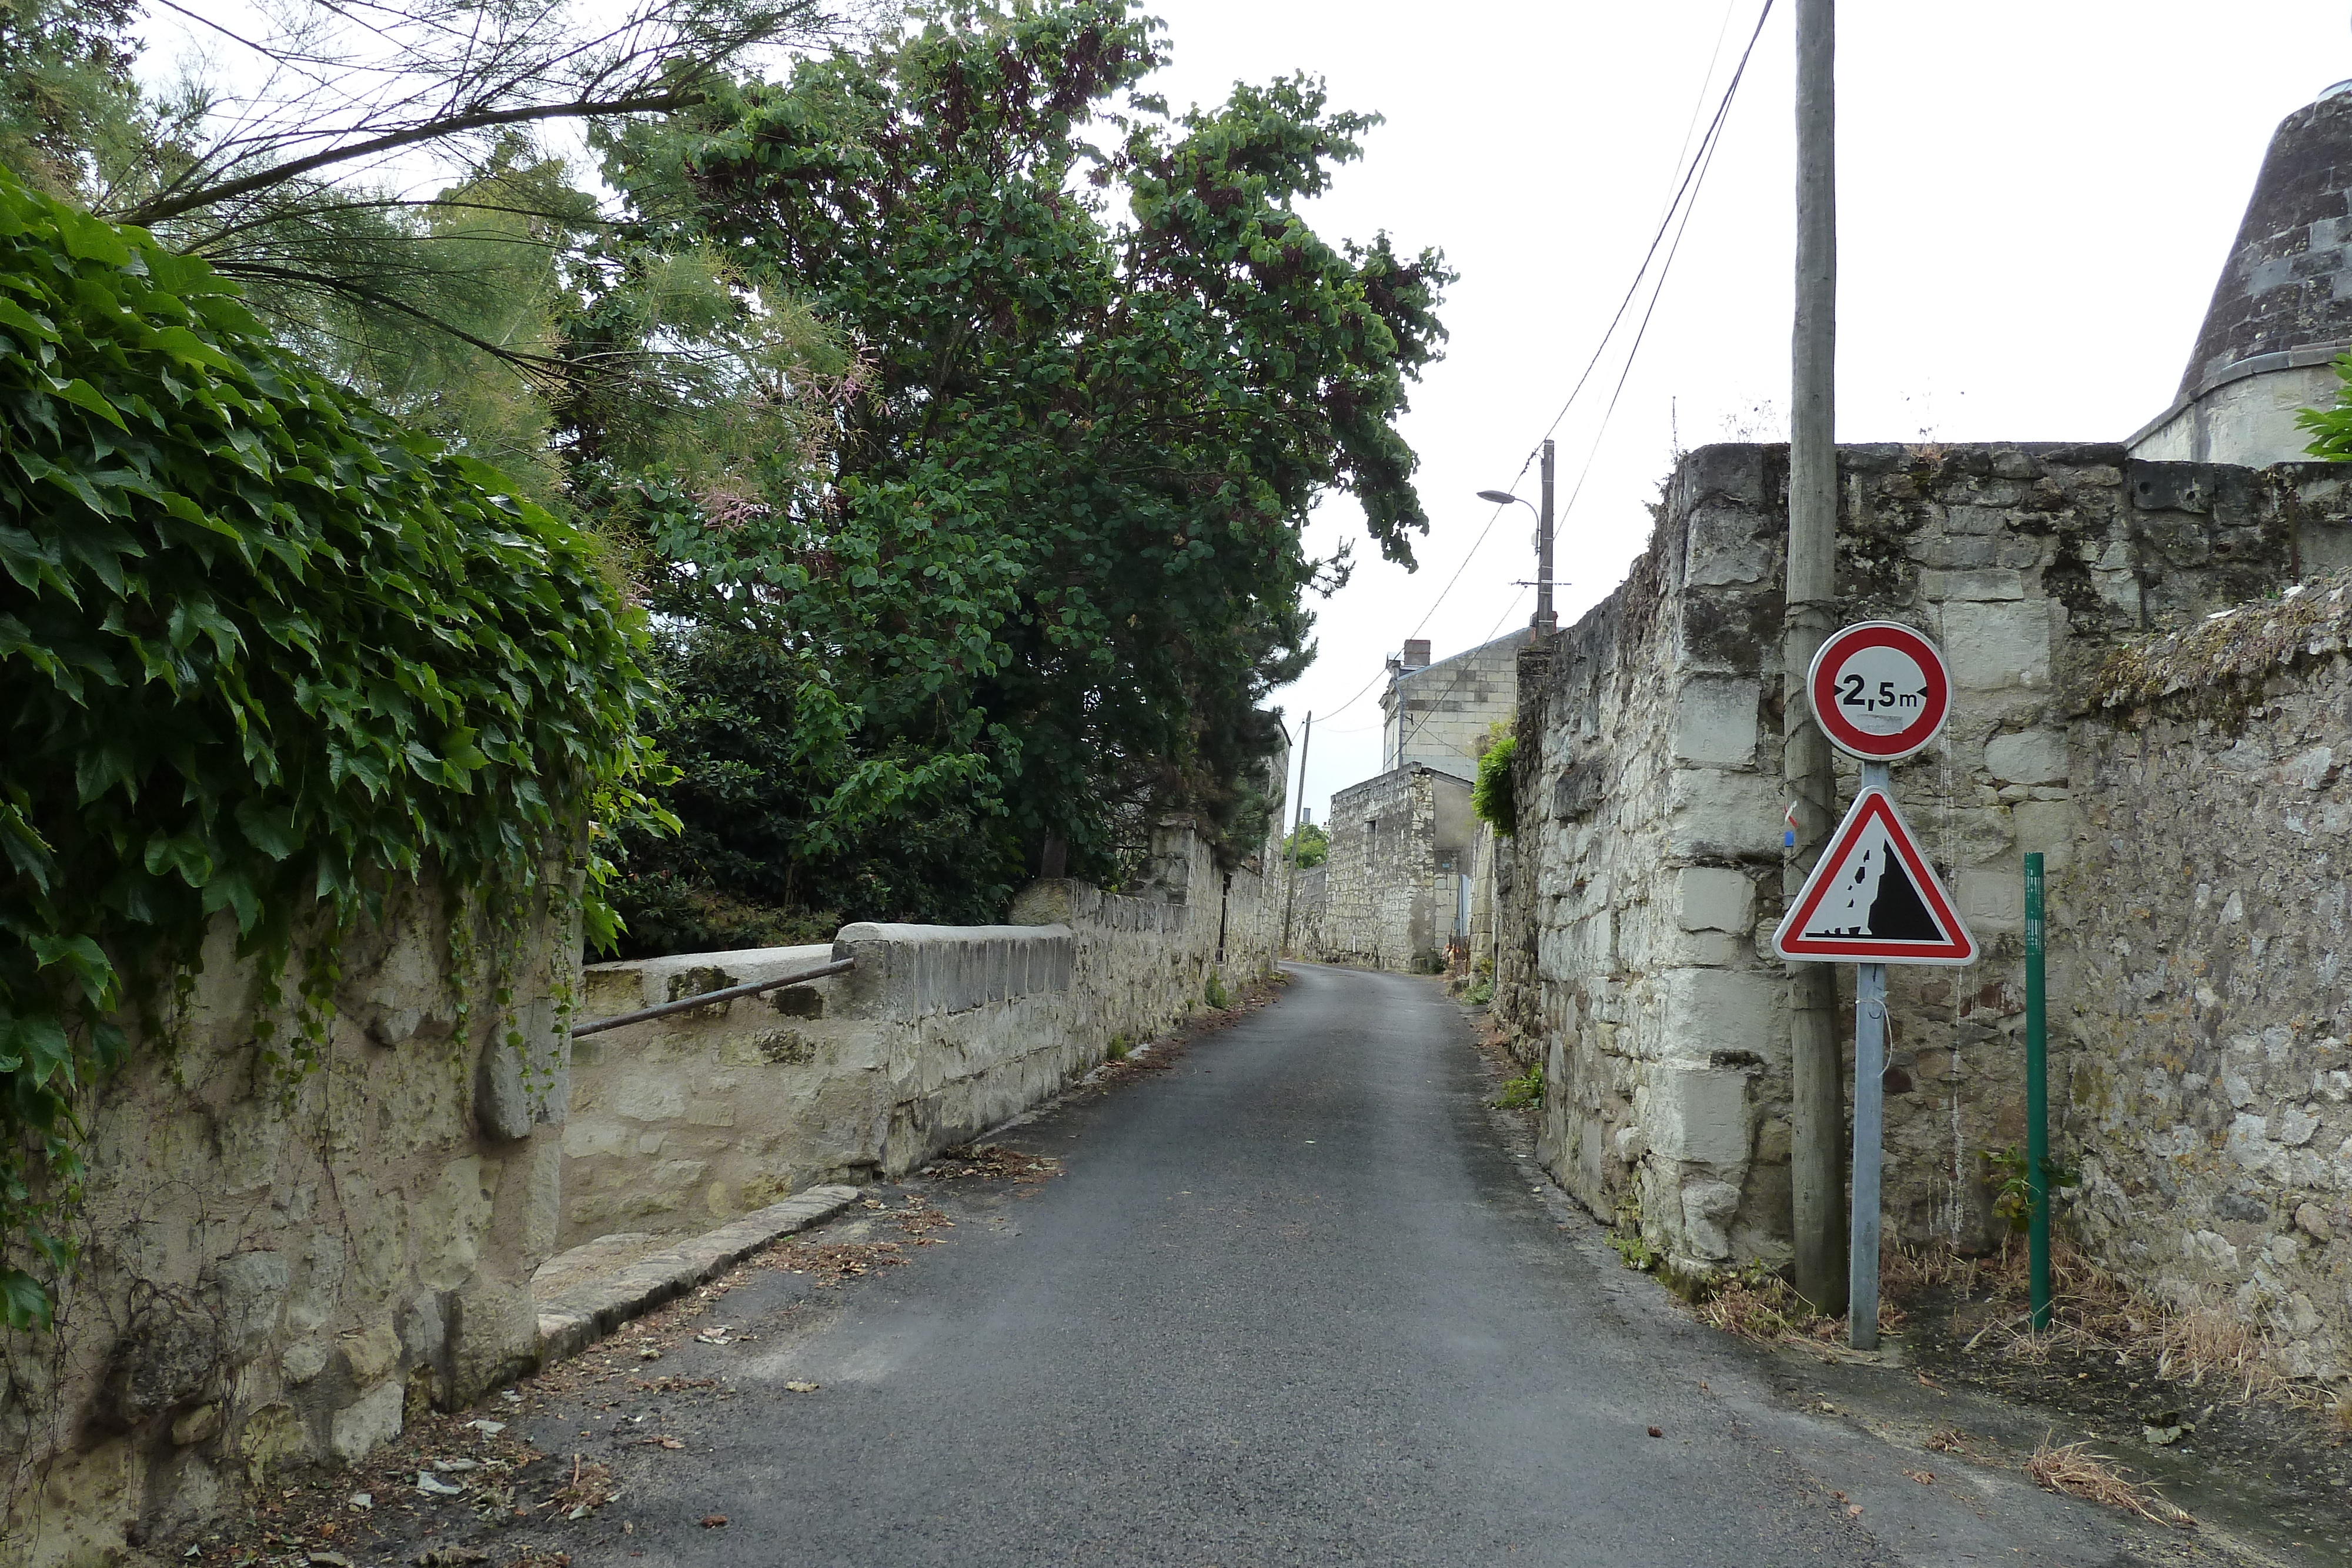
[1873, 898]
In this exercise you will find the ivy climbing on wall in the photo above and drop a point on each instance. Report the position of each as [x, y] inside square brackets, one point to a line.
[263, 655]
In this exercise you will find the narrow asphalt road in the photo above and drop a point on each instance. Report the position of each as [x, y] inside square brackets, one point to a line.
[1294, 1300]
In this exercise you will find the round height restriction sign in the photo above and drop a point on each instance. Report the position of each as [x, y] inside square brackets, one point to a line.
[1880, 690]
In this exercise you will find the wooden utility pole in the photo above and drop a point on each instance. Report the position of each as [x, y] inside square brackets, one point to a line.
[1545, 622]
[1818, 1089]
[1290, 846]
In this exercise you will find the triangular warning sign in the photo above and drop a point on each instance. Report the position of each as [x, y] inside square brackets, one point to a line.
[1873, 898]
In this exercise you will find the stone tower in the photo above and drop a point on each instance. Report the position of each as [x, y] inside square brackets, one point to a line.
[2282, 311]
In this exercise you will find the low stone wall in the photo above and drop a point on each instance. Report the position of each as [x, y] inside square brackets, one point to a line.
[682, 1123]
[1634, 907]
[277, 1270]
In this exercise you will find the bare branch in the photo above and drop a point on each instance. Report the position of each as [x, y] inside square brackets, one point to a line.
[150, 213]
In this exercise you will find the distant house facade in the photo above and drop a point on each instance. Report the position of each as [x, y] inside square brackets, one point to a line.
[1394, 889]
[1440, 714]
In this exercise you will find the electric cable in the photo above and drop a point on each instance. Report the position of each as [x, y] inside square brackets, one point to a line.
[1691, 176]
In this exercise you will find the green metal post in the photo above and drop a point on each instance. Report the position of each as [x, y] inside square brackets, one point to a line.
[2037, 1092]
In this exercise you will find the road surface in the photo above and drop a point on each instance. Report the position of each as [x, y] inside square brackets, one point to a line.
[1301, 1298]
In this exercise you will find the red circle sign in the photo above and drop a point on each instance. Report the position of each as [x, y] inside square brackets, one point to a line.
[1880, 691]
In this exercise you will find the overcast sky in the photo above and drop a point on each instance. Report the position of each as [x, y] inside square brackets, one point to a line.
[2034, 200]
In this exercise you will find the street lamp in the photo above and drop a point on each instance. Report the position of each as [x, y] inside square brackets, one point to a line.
[1543, 621]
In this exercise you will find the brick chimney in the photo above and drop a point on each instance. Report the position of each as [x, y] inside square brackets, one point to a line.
[1416, 653]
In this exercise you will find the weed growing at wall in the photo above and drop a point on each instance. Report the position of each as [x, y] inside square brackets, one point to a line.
[263, 655]
[1491, 797]
[1523, 1090]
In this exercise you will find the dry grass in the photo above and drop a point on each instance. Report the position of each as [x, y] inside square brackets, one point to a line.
[2207, 1341]
[2073, 1469]
[1762, 1309]
[2091, 1312]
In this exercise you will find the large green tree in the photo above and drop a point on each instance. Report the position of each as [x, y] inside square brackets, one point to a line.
[1037, 577]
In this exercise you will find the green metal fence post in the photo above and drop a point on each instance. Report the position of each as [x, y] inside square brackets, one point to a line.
[2037, 1093]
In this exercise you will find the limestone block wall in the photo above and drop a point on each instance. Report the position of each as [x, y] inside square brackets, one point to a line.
[1636, 907]
[2209, 1104]
[278, 1268]
[1386, 896]
[682, 1123]
[1645, 790]
[1308, 906]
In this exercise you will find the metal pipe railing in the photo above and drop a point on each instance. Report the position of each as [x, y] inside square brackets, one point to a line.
[597, 1026]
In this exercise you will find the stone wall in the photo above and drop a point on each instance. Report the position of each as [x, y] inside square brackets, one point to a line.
[1385, 895]
[682, 1123]
[2206, 1106]
[278, 1270]
[1635, 905]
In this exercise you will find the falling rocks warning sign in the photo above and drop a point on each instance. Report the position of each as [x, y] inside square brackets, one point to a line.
[1873, 898]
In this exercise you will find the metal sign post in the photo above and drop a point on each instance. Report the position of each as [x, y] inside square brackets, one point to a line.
[2037, 1093]
[1869, 1131]
[1880, 691]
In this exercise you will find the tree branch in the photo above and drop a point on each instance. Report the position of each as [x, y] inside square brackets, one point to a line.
[148, 213]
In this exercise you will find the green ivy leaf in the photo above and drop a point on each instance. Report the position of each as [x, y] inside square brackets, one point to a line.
[26, 1304]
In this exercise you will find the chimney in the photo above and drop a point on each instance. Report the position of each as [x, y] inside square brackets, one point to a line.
[1416, 653]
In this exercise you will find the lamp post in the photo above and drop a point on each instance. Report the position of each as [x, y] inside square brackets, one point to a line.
[1543, 621]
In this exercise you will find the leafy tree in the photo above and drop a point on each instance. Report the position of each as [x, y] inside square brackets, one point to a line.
[1048, 563]
[373, 178]
[65, 82]
[1308, 845]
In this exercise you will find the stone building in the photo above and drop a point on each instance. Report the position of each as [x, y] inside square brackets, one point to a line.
[1439, 715]
[1392, 892]
[2282, 310]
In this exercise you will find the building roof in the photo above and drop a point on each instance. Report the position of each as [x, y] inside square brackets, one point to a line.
[2281, 289]
[1509, 637]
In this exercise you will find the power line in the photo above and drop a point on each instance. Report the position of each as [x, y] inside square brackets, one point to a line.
[1693, 175]
[1685, 200]
[1404, 737]
[1706, 160]
[1690, 174]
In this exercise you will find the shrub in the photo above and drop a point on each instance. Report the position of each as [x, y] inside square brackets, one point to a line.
[1491, 796]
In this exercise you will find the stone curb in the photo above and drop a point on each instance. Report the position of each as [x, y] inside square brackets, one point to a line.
[569, 1322]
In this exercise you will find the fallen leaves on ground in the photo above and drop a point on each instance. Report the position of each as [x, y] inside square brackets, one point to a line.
[830, 1262]
[993, 1162]
[713, 1521]
[590, 1489]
